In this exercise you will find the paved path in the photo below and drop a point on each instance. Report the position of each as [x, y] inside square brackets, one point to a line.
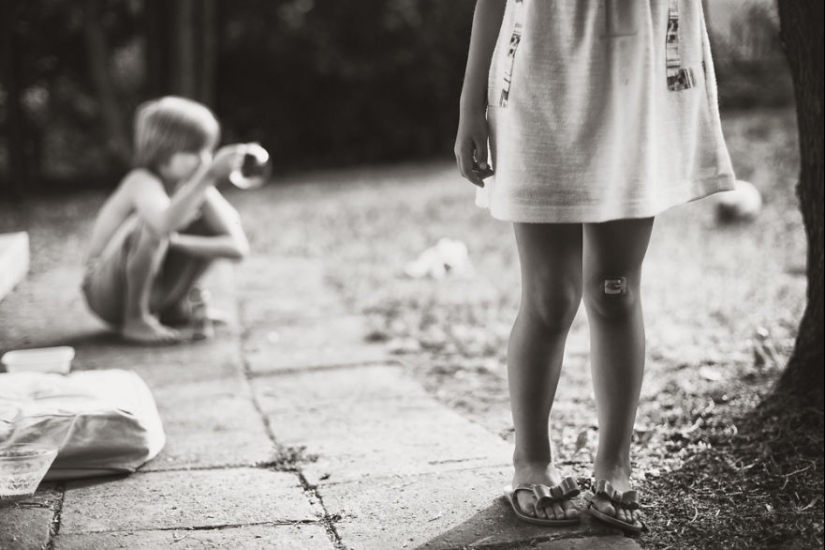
[287, 431]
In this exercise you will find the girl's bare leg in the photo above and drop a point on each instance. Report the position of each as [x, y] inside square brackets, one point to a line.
[179, 273]
[551, 273]
[142, 266]
[613, 255]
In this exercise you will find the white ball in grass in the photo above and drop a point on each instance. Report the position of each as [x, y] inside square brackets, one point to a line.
[743, 203]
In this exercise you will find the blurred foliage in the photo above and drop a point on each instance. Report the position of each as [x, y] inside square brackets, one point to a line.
[751, 67]
[318, 82]
[344, 82]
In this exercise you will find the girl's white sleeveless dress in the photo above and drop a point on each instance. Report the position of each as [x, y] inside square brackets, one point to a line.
[601, 110]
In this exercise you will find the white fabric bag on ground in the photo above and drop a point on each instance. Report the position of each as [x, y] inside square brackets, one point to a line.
[104, 422]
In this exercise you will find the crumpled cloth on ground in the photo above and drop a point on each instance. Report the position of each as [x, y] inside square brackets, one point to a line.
[448, 257]
[103, 422]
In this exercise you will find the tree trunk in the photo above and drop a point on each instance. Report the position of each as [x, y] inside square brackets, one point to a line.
[158, 22]
[98, 56]
[15, 133]
[801, 31]
[209, 51]
[185, 53]
[181, 48]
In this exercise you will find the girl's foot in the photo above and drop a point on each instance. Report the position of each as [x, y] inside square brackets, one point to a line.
[602, 503]
[148, 330]
[541, 474]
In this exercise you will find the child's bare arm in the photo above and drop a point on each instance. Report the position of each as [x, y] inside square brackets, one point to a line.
[165, 215]
[471, 139]
[228, 239]
[486, 25]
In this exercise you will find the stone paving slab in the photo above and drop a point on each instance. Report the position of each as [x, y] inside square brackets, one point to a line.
[46, 309]
[370, 422]
[185, 360]
[282, 392]
[306, 343]
[277, 289]
[24, 528]
[441, 511]
[228, 431]
[590, 543]
[187, 499]
[257, 537]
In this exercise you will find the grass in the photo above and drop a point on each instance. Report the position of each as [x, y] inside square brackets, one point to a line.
[722, 303]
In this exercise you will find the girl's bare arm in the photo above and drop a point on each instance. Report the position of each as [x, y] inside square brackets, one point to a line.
[228, 239]
[163, 214]
[471, 139]
[486, 25]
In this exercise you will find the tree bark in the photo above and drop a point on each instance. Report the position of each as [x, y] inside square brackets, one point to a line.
[98, 56]
[182, 48]
[801, 31]
[157, 21]
[185, 54]
[209, 52]
[15, 134]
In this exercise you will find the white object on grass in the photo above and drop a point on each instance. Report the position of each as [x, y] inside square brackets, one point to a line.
[742, 204]
[448, 257]
[57, 359]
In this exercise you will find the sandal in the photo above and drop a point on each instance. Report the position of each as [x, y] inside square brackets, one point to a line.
[627, 499]
[545, 495]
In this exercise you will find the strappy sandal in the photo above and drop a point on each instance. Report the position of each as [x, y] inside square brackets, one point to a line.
[627, 499]
[566, 490]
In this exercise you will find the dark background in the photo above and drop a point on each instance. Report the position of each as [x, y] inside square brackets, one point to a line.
[320, 83]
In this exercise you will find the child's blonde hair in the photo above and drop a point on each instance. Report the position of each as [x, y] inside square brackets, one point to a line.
[172, 125]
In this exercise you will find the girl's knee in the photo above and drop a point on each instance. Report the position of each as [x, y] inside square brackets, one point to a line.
[145, 251]
[612, 296]
[144, 242]
[554, 304]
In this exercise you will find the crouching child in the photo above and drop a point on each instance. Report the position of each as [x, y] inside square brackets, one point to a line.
[164, 225]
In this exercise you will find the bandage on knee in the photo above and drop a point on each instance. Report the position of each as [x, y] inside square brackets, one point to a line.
[615, 286]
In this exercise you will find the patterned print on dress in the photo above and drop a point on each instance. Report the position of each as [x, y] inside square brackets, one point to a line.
[678, 77]
[515, 40]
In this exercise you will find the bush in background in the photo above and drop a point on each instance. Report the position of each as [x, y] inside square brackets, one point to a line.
[318, 82]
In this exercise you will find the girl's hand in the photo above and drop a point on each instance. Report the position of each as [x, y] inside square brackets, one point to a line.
[471, 144]
[226, 160]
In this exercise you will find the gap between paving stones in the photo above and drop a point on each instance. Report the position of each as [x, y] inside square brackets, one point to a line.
[54, 527]
[326, 520]
[324, 367]
[337, 387]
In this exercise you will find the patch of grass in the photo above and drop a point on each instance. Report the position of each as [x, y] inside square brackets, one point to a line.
[289, 459]
[753, 478]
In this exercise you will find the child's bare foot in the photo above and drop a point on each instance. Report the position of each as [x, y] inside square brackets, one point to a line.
[148, 330]
[620, 481]
[541, 474]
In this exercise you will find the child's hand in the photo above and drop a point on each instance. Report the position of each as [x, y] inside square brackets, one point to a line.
[226, 160]
[471, 145]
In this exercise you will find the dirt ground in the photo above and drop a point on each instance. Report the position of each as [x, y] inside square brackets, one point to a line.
[722, 303]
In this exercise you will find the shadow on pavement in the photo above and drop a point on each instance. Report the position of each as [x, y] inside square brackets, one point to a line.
[496, 527]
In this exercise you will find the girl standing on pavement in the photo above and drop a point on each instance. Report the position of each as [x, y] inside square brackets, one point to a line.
[600, 114]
